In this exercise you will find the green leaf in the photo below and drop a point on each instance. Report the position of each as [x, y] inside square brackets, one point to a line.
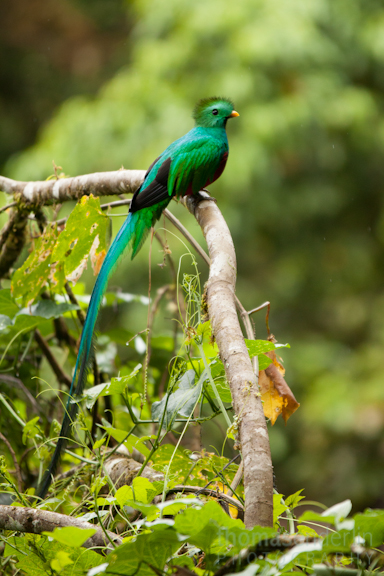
[293, 500]
[217, 368]
[60, 561]
[306, 531]
[85, 234]
[23, 323]
[181, 460]
[142, 490]
[339, 542]
[279, 507]
[98, 443]
[36, 554]
[370, 526]
[30, 429]
[131, 442]
[71, 535]
[212, 530]
[222, 388]
[146, 551]
[204, 329]
[5, 321]
[48, 309]
[264, 361]
[182, 401]
[7, 304]
[116, 386]
[332, 515]
[33, 275]
[138, 443]
[257, 347]
[116, 433]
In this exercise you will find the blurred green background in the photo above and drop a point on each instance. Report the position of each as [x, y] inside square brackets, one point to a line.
[96, 85]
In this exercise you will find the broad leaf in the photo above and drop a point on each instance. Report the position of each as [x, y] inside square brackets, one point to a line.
[85, 234]
[33, 275]
[48, 309]
[7, 304]
[182, 401]
[71, 535]
[147, 551]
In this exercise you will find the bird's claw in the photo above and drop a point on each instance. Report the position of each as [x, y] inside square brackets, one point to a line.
[204, 195]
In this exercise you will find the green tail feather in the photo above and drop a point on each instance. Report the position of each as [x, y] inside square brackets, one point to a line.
[131, 236]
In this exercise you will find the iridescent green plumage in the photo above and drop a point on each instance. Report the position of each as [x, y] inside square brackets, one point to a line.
[185, 167]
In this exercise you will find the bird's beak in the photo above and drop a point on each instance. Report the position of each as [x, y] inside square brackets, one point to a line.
[234, 114]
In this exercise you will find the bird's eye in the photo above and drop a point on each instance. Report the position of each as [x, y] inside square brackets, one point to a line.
[215, 112]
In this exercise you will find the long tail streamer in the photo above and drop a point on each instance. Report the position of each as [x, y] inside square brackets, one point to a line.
[130, 236]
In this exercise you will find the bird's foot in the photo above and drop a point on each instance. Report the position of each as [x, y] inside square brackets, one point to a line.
[204, 195]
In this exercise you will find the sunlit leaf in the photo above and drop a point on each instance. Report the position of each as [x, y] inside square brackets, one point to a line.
[33, 275]
[71, 535]
[84, 235]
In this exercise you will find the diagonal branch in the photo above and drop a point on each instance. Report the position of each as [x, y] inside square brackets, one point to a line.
[258, 475]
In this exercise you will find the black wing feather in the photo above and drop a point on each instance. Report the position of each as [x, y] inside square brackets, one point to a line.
[155, 192]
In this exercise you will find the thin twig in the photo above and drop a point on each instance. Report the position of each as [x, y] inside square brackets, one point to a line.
[238, 477]
[14, 458]
[11, 205]
[264, 305]
[13, 381]
[58, 371]
[73, 300]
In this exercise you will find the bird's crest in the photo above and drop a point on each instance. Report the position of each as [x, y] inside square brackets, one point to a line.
[206, 102]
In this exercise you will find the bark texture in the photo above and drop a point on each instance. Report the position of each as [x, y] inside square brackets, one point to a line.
[37, 521]
[258, 473]
[62, 189]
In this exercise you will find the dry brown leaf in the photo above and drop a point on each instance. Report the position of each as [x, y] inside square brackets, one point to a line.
[276, 395]
[97, 258]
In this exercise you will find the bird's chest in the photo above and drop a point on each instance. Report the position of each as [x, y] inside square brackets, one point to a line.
[219, 170]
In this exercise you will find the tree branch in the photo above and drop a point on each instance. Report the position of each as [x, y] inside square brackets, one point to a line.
[221, 304]
[258, 474]
[36, 521]
[62, 189]
[61, 376]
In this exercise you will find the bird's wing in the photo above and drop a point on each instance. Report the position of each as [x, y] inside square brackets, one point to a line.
[195, 165]
[185, 167]
[156, 191]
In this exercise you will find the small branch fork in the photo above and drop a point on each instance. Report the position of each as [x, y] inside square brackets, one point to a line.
[222, 302]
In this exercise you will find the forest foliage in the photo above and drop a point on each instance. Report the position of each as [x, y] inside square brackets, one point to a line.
[302, 195]
[148, 411]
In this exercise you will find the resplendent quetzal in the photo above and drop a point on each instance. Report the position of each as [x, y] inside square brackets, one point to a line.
[185, 167]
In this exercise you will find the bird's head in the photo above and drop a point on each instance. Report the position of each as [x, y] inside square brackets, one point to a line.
[214, 112]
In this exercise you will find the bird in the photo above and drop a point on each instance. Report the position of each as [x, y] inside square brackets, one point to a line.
[187, 166]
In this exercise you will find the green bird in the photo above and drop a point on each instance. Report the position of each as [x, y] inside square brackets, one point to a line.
[184, 168]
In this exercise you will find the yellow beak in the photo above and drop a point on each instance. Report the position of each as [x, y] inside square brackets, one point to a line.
[234, 114]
